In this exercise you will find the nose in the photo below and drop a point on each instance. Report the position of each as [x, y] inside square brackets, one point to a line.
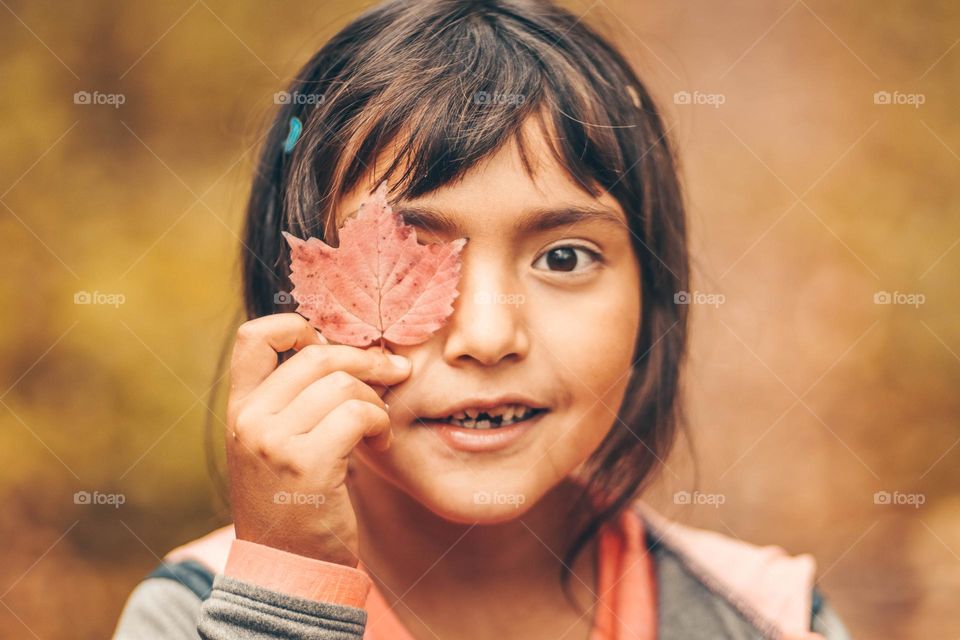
[488, 322]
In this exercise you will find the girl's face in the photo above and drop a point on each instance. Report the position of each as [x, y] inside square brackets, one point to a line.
[548, 308]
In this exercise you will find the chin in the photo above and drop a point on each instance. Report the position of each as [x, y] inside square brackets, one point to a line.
[476, 507]
[473, 498]
[461, 495]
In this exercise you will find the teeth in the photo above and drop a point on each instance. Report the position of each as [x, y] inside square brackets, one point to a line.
[507, 411]
[508, 414]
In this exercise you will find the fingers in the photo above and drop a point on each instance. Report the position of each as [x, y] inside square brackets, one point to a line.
[323, 395]
[343, 428]
[320, 398]
[314, 362]
[257, 344]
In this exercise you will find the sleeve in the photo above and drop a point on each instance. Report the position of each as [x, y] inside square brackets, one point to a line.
[159, 608]
[238, 610]
[825, 620]
[262, 593]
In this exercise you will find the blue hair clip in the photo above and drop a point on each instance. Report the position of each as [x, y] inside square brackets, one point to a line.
[295, 128]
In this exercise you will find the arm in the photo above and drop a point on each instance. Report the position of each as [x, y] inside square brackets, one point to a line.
[291, 426]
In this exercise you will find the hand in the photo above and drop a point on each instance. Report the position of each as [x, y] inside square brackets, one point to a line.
[290, 431]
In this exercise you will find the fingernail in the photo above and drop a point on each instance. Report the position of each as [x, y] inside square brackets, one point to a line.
[400, 361]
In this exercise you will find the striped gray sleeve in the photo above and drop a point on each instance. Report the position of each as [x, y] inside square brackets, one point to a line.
[164, 609]
[244, 611]
[159, 608]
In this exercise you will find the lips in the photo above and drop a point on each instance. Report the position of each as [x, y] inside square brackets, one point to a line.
[486, 440]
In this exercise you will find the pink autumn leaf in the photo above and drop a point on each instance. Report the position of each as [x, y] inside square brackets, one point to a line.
[380, 283]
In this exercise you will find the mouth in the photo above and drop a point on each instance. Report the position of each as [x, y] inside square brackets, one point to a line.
[479, 431]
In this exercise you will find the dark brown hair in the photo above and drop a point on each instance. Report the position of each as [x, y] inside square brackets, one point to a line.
[444, 84]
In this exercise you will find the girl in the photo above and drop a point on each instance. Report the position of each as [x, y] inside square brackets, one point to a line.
[370, 496]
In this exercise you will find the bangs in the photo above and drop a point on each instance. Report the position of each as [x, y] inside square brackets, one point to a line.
[437, 103]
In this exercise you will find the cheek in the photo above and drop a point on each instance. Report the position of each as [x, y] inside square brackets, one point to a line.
[589, 342]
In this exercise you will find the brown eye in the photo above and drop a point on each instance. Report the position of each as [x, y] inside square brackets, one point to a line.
[567, 258]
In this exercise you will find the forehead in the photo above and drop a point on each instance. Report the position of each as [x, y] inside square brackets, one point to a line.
[498, 193]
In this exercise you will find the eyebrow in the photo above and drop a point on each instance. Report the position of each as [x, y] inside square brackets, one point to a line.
[530, 222]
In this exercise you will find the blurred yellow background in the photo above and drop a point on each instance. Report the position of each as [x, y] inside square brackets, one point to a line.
[820, 149]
